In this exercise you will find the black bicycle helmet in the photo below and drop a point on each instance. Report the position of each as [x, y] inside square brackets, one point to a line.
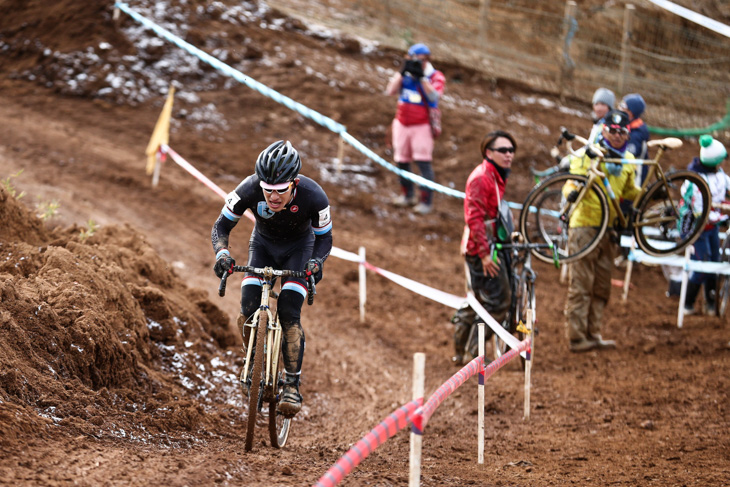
[278, 163]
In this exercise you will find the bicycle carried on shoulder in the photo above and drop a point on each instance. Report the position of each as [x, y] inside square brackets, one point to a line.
[662, 218]
[522, 279]
[262, 377]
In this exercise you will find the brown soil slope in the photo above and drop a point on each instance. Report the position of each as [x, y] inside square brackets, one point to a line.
[118, 360]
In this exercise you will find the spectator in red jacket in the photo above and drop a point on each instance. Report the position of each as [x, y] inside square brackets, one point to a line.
[488, 219]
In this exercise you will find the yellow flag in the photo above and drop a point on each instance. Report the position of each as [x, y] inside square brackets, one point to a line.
[161, 134]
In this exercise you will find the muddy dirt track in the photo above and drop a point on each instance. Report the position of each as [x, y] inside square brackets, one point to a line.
[118, 359]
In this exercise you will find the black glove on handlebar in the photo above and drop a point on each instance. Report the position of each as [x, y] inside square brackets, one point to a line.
[224, 264]
[314, 267]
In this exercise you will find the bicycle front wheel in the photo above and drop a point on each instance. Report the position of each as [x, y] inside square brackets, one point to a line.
[546, 213]
[722, 291]
[526, 303]
[670, 217]
[254, 392]
[278, 424]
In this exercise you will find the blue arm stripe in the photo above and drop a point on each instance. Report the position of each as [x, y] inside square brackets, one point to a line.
[322, 230]
[230, 215]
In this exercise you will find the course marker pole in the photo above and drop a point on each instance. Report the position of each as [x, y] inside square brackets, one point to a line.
[387, 428]
[528, 365]
[419, 376]
[340, 155]
[564, 273]
[629, 269]
[480, 400]
[685, 278]
[362, 277]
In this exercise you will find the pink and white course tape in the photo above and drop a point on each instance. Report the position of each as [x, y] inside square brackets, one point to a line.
[423, 414]
[387, 428]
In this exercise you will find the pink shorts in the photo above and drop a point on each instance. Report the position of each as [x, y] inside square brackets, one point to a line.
[412, 142]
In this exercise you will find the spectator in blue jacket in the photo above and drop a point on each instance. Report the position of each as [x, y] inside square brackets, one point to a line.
[634, 105]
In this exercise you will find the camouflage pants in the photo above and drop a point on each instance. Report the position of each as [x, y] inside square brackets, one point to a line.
[590, 285]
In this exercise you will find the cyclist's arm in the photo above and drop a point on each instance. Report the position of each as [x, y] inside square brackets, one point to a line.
[322, 228]
[221, 232]
[231, 212]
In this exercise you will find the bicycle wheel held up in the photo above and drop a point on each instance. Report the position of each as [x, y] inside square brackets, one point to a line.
[667, 215]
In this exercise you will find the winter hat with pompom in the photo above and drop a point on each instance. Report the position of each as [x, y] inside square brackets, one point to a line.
[712, 152]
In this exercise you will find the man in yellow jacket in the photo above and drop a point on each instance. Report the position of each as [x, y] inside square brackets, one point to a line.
[590, 277]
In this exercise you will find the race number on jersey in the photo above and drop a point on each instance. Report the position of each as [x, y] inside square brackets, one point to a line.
[324, 217]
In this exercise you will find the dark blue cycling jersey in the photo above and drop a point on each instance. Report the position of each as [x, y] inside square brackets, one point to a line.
[308, 212]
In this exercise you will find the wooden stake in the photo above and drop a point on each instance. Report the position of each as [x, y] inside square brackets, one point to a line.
[480, 400]
[685, 278]
[625, 48]
[363, 284]
[340, 155]
[419, 377]
[629, 269]
[528, 365]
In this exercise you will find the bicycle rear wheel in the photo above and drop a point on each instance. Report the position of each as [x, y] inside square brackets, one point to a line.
[664, 224]
[254, 392]
[722, 296]
[278, 425]
[545, 216]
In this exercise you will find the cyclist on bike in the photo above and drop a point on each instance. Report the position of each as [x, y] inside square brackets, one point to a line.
[293, 230]
[590, 277]
[488, 219]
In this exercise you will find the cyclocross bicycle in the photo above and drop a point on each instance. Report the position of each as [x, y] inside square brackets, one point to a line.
[661, 218]
[262, 377]
[522, 279]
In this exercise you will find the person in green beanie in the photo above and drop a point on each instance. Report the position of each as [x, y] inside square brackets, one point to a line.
[707, 246]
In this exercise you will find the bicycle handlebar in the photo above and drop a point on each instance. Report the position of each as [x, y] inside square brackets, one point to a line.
[263, 271]
[526, 246]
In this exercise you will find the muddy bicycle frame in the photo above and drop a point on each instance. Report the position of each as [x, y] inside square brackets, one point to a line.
[264, 323]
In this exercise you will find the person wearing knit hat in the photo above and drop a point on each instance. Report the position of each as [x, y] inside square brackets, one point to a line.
[603, 102]
[634, 105]
[712, 152]
[707, 246]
